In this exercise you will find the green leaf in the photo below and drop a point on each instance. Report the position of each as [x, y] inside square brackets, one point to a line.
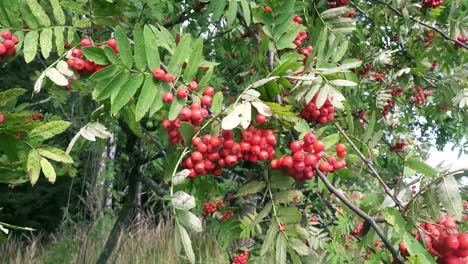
[112, 86]
[96, 54]
[182, 200]
[263, 213]
[151, 46]
[280, 180]
[176, 106]
[10, 94]
[165, 38]
[183, 240]
[286, 40]
[342, 83]
[58, 12]
[287, 196]
[71, 34]
[331, 140]
[59, 41]
[158, 103]
[395, 219]
[416, 249]
[48, 170]
[420, 166]
[249, 188]
[206, 78]
[111, 55]
[147, 96]
[106, 73]
[218, 11]
[431, 199]
[281, 247]
[321, 43]
[269, 237]
[48, 130]
[140, 48]
[289, 215]
[45, 42]
[450, 198]
[188, 131]
[180, 176]
[180, 54]
[30, 45]
[338, 55]
[33, 166]
[217, 104]
[54, 154]
[122, 96]
[246, 10]
[370, 128]
[194, 61]
[299, 246]
[125, 50]
[38, 12]
[189, 220]
[231, 13]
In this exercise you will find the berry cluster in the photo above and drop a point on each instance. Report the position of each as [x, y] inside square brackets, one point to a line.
[211, 207]
[433, 3]
[306, 51]
[350, 13]
[318, 115]
[391, 103]
[367, 69]
[214, 153]
[398, 147]
[337, 3]
[428, 39]
[7, 44]
[306, 156]
[421, 95]
[443, 240]
[85, 66]
[193, 114]
[462, 39]
[161, 75]
[358, 229]
[300, 37]
[378, 76]
[297, 19]
[241, 258]
[227, 215]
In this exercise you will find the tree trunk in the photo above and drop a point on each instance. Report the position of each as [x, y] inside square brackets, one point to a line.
[127, 213]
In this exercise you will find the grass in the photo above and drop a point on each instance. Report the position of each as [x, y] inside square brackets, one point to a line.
[145, 244]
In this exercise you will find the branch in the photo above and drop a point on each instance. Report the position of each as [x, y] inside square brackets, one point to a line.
[153, 185]
[362, 214]
[398, 13]
[370, 166]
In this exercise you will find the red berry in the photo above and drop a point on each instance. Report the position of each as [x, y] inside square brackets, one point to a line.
[2, 118]
[168, 97]
[112, 43]
[463, 240]
[209, 91]
[77, 53]
[267, 9]
[86, 43]
[309, 138]
[319, 146]
[15, 39]
[340, 147]
[207, 100]
[341, 154]
[295, 146]
[193, 85]
[196, 156]
[260, 119]
[6, 34]
[9, 43]
[3, 49]
[159, 74]
[451, 243]
[182, 93]
[168, 77]
[79, 64]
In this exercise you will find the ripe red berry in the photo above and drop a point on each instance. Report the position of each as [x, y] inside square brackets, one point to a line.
[340, 147]
[209, 91]
[463, 240]
[341, 154]
[3, 49]
[77, 53]
[196, 156]
[168, 97]
[451, 243]
[6, 34]
[168, 77]
[193, 85]
[15, 39]
[267, 9]
[309, 138]
[207, 100]
[158, 74]
[182, 93]
[112, 43]
[251, 71]
[9, 43]
[319, 146]
[79, 64]
[86, 43]
[260, 119]
[295, 146]
[2, 118]
[324, 166]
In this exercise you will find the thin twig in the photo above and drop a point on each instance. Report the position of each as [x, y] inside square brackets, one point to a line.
[362, 214]
[398, 13]
[370, 166]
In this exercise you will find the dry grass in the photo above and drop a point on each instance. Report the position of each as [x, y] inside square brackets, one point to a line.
[146, 244]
